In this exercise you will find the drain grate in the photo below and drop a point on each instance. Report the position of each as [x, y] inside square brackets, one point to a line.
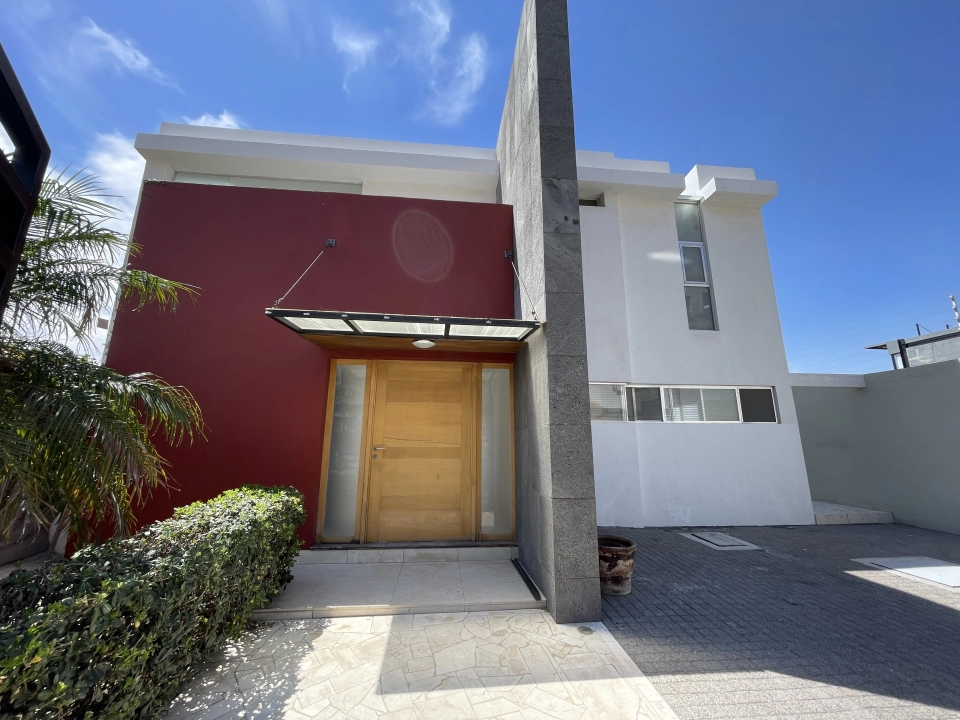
[720, 541]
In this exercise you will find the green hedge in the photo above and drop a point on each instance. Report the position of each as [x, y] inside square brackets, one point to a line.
[113, 631]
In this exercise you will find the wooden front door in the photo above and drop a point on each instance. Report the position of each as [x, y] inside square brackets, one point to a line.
[422, 467]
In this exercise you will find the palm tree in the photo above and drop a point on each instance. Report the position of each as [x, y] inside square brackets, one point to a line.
[76, 438]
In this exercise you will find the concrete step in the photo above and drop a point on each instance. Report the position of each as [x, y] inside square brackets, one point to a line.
[321, 590]
[826, 513]
[434, 552]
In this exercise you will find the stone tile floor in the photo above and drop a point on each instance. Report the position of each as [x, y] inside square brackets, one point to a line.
[797, 629]
[515, 665]
[337, 590]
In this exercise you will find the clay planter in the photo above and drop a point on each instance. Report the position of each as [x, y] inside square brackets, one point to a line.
[616, 564]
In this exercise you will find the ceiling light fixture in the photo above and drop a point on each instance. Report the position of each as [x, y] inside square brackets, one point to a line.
[424, 344]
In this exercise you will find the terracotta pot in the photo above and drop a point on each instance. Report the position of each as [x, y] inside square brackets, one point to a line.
[616, 564]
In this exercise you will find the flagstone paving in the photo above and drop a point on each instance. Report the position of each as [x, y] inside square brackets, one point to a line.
[515, 665]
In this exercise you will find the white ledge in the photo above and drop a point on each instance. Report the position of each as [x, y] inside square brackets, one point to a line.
[727, 192]
[661, 185]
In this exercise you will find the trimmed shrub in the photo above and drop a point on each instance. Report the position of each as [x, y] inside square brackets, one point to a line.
[113, 631]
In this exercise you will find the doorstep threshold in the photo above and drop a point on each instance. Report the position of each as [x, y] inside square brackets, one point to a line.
[408, 552]
[269, 614]
[414, 545]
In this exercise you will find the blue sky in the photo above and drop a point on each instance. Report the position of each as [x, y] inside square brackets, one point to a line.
[851, 106]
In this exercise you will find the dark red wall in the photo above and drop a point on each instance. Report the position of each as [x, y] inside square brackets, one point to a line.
[261, 387]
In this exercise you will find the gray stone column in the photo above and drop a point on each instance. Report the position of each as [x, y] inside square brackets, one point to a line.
[556, 508]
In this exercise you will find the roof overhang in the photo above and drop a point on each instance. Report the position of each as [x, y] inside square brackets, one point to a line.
[251, 153]
[336, 329]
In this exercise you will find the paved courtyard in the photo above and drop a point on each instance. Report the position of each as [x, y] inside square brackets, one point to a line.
[515, 665]
[796, 629]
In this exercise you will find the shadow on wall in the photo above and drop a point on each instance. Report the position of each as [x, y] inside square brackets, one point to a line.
[890, 445]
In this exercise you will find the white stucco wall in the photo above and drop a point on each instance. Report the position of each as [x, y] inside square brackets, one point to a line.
[660, 474]
[459, 193]
[646, 474]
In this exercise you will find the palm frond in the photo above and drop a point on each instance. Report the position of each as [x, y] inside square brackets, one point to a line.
[76, 438]
[72, 266]
[87, 432]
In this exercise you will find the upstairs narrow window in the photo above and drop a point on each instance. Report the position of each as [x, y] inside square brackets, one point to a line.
[696, 275]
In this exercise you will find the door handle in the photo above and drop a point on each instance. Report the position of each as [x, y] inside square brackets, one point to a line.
[379, 447]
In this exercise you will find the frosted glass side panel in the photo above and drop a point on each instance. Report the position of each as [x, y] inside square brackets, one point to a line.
[343, 468]
[496, 462]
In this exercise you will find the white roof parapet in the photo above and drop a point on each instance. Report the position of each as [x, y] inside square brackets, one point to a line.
[729, 187]
[599, 172]
[199, 150]
[835, 380]
[593, 159]
[254, 153]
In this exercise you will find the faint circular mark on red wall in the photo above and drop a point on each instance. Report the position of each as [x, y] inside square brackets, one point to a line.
[422, 246]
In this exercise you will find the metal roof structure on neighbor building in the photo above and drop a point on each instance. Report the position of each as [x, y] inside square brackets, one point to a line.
[922, 350]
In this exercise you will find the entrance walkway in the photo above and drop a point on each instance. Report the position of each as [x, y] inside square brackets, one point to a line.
[511, 665]
[412, 585]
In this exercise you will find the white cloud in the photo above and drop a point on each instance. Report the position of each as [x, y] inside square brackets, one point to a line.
[275, 12]
[29, 11]
[453, 83]
[226, 119]
[290, 20]
[452, 101]
[356, 46]
[91, 47]
[431, 34]
[120, 169]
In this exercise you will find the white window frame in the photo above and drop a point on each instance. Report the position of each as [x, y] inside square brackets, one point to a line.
[661, 421]
[708, 278]
[623, 401]
[736, 393]
[706, 267]
[677, 386]
[773, 396]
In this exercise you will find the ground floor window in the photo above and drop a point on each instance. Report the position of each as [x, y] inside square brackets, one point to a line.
[653, 403]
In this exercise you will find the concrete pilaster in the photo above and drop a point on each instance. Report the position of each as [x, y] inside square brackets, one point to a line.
[556, 507]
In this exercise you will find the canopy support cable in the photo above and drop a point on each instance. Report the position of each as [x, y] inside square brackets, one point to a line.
[277, 303]
[533, 308]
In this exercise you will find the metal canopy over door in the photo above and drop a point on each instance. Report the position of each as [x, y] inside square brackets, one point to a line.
[423, 445]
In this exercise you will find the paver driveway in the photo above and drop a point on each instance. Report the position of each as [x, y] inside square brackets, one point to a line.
[796, 629]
